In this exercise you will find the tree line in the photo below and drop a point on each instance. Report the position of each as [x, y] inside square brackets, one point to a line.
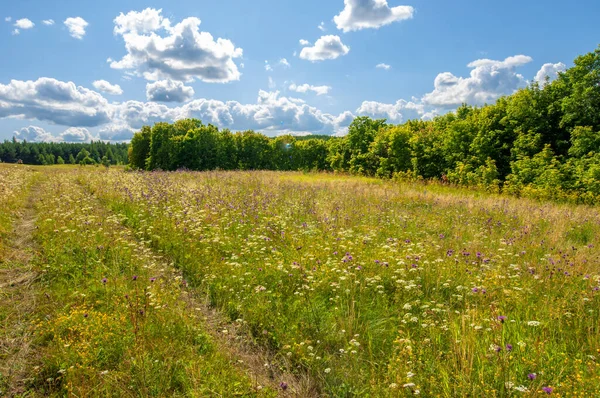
[542, 141]
[49, 153]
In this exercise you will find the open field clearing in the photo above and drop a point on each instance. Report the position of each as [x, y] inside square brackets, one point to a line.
[318, 285]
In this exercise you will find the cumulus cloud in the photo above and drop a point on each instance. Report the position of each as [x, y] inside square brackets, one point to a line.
[34, 134]
[38, 134]
[272, 113]
[77, 134]
[284, 62]
[363, 14]
[15, 32]
[137, 114]
[327, 47]
[304, 42]
[48, 22]
[303, 88]
[383, 66]
[7, 19]
[549, 72]
[108, 88]
[116, 132]
[488, 81]
[168, 91]
[54, 101]
[76, 27]
[24, 23]
[157, 50]
[399, 112]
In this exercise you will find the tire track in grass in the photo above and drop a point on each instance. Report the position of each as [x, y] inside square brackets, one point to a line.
[115, 324]
[261, 365]
[18, 299]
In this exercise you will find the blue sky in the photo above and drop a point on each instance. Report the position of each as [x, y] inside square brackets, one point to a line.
[102, 69]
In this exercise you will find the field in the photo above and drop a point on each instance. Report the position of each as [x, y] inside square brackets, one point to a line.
[119, 283]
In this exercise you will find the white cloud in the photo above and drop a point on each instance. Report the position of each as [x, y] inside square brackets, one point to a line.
[363, 14]
[34, 134]
[322, 26]
[24, 23]
[77, 134]
[268, 66]
[38, 134]
[168, 91]
[136, 113]
[304, 42]
[284, 62]
[399, 112]
[142, 22]
[272, 84]
[271, 113]
[549, 71]
[383, 66]
[54, 101]
[15, 32]
[327, 47]
[48, 22]
[105, 87]
[183, 53]
[303, 88]
[7, 19]
[76, 27]
[488, 81]
[116, 132]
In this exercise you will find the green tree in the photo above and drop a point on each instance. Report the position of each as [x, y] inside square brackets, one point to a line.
[139, 148]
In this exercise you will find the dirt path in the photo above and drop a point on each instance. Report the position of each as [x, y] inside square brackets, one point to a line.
[261, 365]
[18, 301]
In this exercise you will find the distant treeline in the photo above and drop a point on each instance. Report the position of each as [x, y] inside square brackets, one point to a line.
[543, 141]
[48, 153]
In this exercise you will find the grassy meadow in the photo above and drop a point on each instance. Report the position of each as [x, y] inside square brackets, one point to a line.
[170, 283]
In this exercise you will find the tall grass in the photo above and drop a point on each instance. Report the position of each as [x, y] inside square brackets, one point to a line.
[379, 288]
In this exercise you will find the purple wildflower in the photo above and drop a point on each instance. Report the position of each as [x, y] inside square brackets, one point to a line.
[547, 390]
[134, 278]
[104, 280]
[502, 318]
[509, 347]
[283, 385]
[531, 376]
[152, 280]
[475, 290]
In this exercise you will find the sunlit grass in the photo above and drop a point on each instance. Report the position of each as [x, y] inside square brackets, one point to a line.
[380, 288]
[371, 287]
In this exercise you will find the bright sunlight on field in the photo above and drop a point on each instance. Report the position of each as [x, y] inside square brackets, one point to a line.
[292, 284]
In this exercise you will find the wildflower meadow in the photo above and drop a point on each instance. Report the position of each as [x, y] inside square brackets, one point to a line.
[295, 284]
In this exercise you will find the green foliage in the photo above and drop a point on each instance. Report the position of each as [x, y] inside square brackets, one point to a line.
[47, 153]
[139, 148]
[542, 141]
